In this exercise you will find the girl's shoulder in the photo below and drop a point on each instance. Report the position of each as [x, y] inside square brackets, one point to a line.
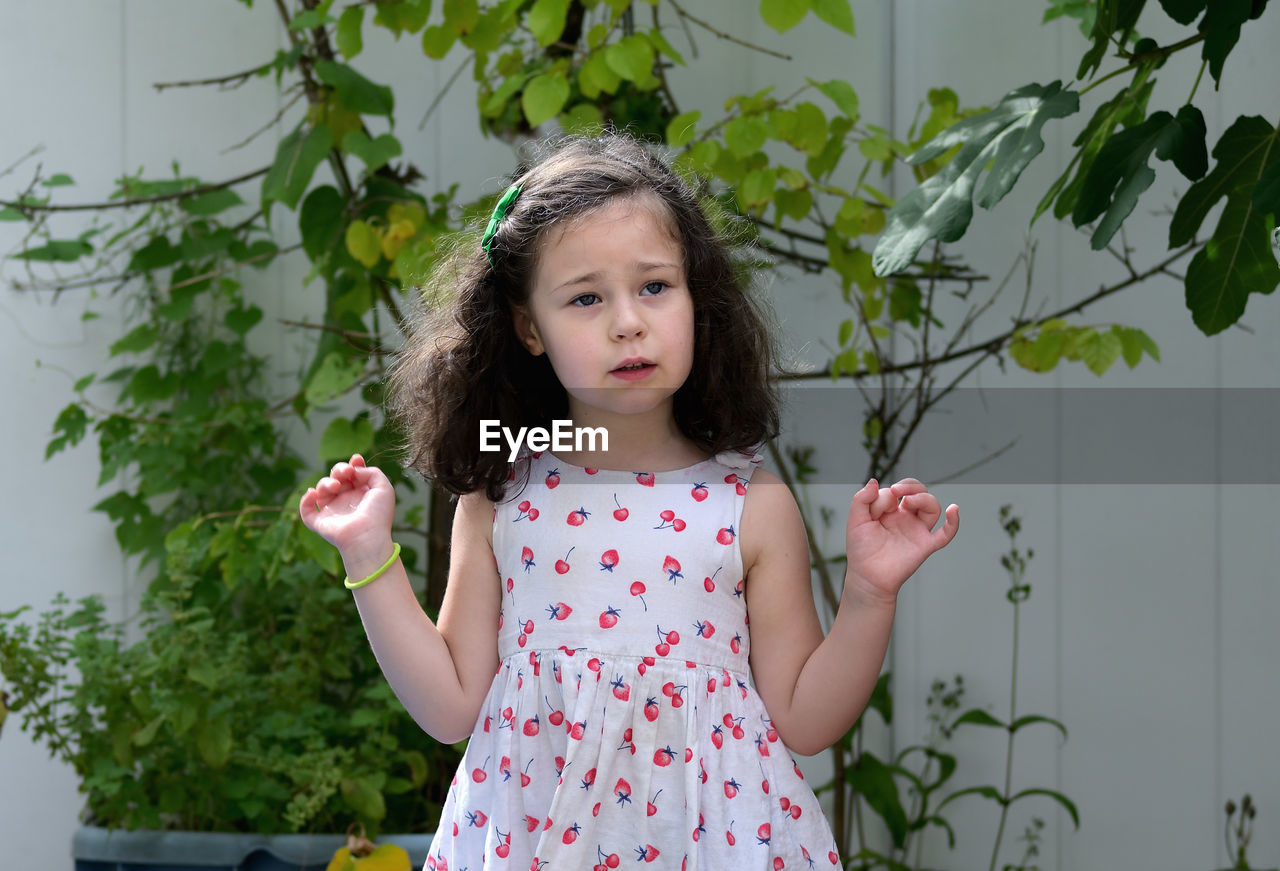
[769, 507]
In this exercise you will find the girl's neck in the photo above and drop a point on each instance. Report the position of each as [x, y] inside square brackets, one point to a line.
[648, 441]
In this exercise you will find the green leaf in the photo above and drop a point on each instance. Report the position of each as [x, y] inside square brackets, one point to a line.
[60, 179]
[1028, 719]
[349, 35]
[978, 717]
[213, 741]
[437, 40]
[1120, 174]
[343, 437]
[210, 203]
[355, 92]
[333, 377]
[241, 320]
[837, 13]
[543, 97]
[1007, 137]
[1114, 17]
[546, 20]
[138, 339]
[874, 781]
[156, 254]
[583, 119]
[661, 43]
[297, 157]
[147, 733]
[631, 58]
[320, 220]
[417, 766]
[364, 798]
[1266, 193]
[985, 791]
[375, 153]
[56, 251]
[842, 94]
[745, 135]
[462, 15]
[682, 128]
[1183, 11]
[1056, 796]
[406, 15]
[1100, 350]
[1238, 259]
[8, 213]
[782, 15]
[1221, 26]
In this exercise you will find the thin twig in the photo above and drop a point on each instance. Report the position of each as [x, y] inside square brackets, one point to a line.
[698, 21]
[238, 78]
[138, 201]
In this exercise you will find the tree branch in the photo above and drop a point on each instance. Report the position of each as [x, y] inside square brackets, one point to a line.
[138, 201]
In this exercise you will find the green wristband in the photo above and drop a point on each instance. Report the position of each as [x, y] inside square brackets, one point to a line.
[355, 585]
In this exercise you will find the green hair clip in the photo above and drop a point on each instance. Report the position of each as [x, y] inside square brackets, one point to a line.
[500, 212]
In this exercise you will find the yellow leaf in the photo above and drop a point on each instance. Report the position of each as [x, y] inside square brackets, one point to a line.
[387, 857]
[342, 861]
[362, 243]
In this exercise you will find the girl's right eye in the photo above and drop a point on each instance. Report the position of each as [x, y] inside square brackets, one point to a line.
[578, 300]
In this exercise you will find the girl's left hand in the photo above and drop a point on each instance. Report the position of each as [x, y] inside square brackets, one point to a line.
[890, 533]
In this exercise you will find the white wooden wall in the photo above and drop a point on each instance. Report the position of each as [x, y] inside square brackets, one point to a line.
[1150, 628]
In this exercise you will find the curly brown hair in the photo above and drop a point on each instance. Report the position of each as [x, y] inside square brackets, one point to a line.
[463, 362]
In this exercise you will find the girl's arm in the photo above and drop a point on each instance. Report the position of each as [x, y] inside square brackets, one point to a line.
[442, 673]
[813, 687]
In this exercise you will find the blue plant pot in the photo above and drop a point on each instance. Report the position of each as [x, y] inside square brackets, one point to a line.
[95, 849]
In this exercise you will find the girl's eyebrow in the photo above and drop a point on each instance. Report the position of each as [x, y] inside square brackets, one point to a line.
[592, 277]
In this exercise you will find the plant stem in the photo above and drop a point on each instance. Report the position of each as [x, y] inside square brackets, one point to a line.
[1013, 708]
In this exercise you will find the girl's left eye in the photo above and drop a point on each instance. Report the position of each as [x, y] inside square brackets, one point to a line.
[660, 285]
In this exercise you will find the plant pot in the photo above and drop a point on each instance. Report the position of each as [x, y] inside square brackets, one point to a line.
[95, 849]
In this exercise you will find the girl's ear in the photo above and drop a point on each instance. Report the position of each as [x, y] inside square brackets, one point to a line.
[526, 330]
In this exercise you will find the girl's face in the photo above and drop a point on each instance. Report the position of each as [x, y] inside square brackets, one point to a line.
[611, 308]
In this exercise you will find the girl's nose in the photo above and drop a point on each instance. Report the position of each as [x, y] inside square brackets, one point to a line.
[627, 321]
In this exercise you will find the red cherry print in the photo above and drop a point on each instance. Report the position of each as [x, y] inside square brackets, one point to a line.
[731, 788]
[795, 812]
[673, 637]
[511, 585]
[478, 774]
[589, 470]
[621, 691]
[764, 785]
[595, 810]
[531, 726]
[562, 565]
[778, 864]
[503, 851]
[784, 803]
[612, 860]
[651, 808]
[711, 685]
[668, 515]
[831, 855]
[559, 611]
[728, 836]
[594, 664]
[523, 506]
[609, 618]
[725, 535]
[677, 700]
[699, 491]
[524, 775]
[637, 589]
[678, 525]
[455, 829]
[644, 479]
[709, 584]
[533, 513]
[619, 513]
[526, 557]
[553, 479]
[608, 560]
[556, 717]
[739, 733]
[578, 516]
[688, 755]
[671, 566]
[669, 689]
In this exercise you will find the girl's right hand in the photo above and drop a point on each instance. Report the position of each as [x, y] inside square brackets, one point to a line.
[352, 507]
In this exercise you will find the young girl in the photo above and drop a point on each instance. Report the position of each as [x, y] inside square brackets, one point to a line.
[628, 634]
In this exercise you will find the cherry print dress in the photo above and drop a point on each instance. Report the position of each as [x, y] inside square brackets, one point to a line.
[621, 726]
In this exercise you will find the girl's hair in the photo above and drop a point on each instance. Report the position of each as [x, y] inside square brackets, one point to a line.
[463, 363]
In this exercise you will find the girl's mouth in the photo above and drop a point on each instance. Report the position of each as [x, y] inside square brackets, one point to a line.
[634, 370]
